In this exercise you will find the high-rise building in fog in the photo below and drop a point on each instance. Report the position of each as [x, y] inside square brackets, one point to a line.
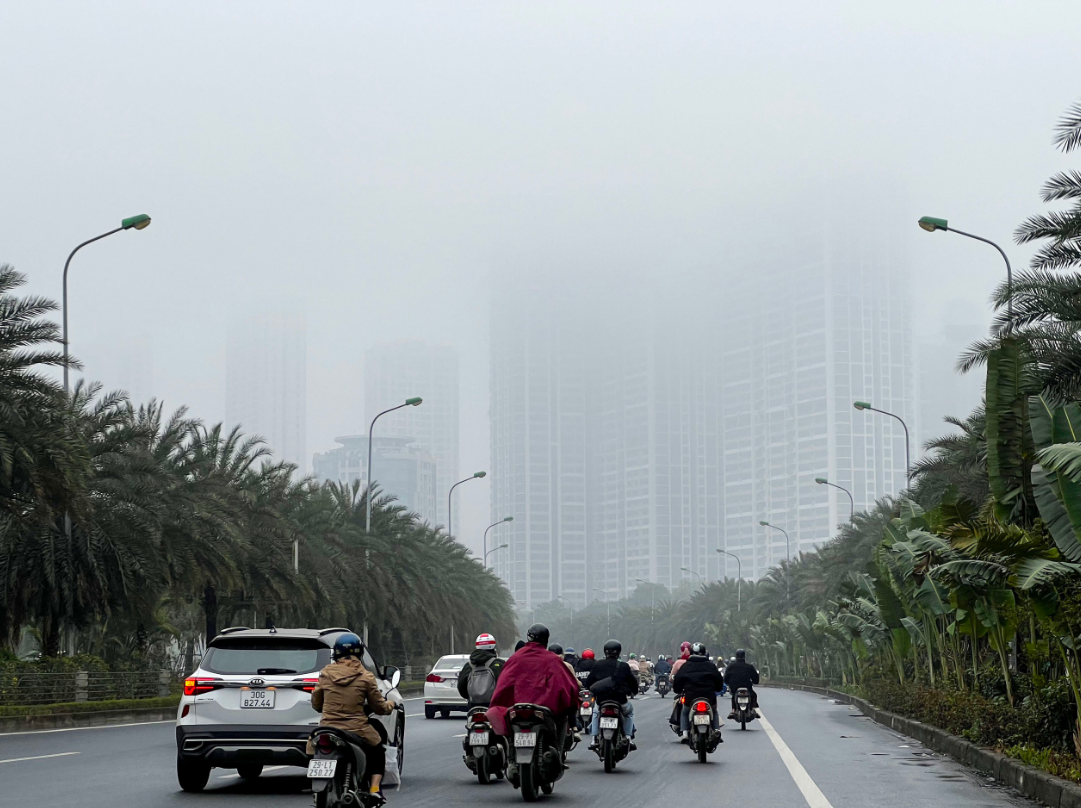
[395, 371]
[401, 469]
[266, 383]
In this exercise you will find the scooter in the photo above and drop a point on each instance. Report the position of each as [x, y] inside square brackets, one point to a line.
[489, 751]
[703, 738]
[536, 756]
[612, 743]
[744, 711]
[337, 771]
[664, 686]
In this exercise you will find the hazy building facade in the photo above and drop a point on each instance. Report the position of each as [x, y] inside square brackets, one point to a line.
[266, 383]
[396, 371]
[400, 469]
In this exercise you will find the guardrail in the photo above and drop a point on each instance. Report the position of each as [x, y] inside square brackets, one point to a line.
[51, 688]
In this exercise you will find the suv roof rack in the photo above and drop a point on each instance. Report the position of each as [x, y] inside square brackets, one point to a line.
[231, 629]
[326, 631]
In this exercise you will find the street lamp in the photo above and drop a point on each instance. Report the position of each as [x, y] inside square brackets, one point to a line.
[787, 547]
[739, 578]
[139, 222]
[931, 224]
[692, 572]
[564, 602]
[851, 501]
[652, 596]
[409, 402]
[476, 476]
[500, 547]
[501, 521]
[609, 629]
[863, 405]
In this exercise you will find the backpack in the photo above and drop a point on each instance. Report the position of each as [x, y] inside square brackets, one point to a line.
[481, 684]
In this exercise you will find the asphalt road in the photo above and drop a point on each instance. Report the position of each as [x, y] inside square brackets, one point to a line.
[818, 754]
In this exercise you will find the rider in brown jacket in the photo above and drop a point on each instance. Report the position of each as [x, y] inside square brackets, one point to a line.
[346, 695]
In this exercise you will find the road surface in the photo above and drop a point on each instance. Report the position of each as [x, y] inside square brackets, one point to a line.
[809, 752]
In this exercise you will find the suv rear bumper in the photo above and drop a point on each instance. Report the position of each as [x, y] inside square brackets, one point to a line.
[230, 745]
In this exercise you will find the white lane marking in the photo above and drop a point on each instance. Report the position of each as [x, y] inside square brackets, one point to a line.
[38, 757]
[76, 729]
[267, 769]
[815, 798]
[462, 735]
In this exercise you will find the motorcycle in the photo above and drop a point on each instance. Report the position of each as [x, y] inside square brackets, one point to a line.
[585, 711]
[612, 744]
[536, 756]
[703, 738]
[337, 771]
[744, 711]
[664, 686]
[489, 750]
[643, 684]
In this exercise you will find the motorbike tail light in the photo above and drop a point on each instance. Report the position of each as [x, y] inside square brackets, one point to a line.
[609, 711]
[523, 714]
[433, 677]
[198, 684]
[479, 718]
[701, 707]
[325, 744]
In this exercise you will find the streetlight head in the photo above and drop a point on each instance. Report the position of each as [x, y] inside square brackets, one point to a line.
[500, 547]
[821, 480]
[764, 524]
[861, 405]
[931, 224]
[414, 402]
[508, 518]
[480, 474]
[137, 222]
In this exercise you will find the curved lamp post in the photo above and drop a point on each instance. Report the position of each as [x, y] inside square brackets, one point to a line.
[476, 476]
[739, 578]
[851, 501]
[863, 405]
[787, 549]
[500, 547]
[501, 521]
[932, 223]
[409, 402]
[140, 222]
[609, 629]
[692, 572]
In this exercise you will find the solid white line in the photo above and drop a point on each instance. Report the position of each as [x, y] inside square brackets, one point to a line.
[815, 798]
[267, 769]
[75, 729]
[38, 757]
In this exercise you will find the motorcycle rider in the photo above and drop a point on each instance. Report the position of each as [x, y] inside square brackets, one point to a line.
[698, 678]
[534, 675]
[741, 673]
[684, 653]
[585, 665]
[346, 694]
[633, 664]
[557, 649]
[663, 666]
[477, 679]
[612, 680]
[571, 658]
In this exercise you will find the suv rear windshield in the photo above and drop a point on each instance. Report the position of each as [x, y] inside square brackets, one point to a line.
[266, 657]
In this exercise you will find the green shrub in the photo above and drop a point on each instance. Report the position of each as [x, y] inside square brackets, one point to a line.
[91, 706]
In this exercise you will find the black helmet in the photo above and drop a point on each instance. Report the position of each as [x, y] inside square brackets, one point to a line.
[741, 654]
[698, 649]
[538, 632]
[518, 646]
[556, 648]
[612, 649]
[348, 645]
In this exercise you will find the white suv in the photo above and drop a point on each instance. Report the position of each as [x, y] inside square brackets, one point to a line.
[248, 704]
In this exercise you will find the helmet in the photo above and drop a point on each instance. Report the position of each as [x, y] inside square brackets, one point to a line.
[633, 656]
[570, 651]
[698, 649]
[741, 654]
[348, 645]
[518, 646]
[538, 632]
[588, 654]
[485, 642]
[684, 646]
[556, 649]
[612, 649]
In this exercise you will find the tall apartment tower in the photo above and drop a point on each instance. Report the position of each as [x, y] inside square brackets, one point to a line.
[395, 371]
[266, 382]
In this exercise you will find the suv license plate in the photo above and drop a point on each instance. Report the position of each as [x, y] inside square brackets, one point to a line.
[478, 739]
[321, 769]
[609, 723]
[257, 699]
[525, 739]
[701, 719]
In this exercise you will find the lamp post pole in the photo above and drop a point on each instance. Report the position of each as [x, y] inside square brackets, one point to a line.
[652, 622]
[692, 572]
[851, 501]
[788, 554]
[739, 579]
[863, 405]
[931, 224]
[409, 402]
[501, 521]
[475, 476]
[489, 552]
[609, 628]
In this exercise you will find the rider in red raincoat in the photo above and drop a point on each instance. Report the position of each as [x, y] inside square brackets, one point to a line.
[534, 675]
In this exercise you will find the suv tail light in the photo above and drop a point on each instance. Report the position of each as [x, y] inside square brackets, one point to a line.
[199, 684]
[309, 684]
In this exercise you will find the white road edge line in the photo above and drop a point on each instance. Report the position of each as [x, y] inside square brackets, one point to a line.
[815, 798]
[267, 769]
[76, 729]
[38, 757]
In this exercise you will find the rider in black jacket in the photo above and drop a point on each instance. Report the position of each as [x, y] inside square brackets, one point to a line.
[698, 678]
[741, 673]
[585, 666]
[613, 680]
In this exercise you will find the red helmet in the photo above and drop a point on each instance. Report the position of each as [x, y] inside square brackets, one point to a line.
[485, 642]
[588, 654]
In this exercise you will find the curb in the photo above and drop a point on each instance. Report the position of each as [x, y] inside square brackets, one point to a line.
[30, 723]
[1028, 780]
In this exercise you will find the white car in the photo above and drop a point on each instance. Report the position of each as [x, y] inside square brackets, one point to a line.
[248, 704]
[441, 687]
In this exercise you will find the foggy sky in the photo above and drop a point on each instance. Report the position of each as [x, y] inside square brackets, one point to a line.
[377, 164]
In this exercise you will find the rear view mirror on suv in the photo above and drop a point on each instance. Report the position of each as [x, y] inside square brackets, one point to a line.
[392, 675]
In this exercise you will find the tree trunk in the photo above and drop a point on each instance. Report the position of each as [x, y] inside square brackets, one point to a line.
[210, 609]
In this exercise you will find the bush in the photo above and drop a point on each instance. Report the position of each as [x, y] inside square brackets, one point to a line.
[90, 706]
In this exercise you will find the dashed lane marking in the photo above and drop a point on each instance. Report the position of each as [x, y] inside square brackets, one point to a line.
[814, 796]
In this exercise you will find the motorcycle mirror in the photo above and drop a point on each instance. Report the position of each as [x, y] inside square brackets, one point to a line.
[392, 675]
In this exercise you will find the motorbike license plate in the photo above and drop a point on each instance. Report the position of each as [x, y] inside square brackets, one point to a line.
[743, 703]
[525, 739]
[478, 739]
[257, 699]
[701, 719]
[609, 723]
[587, 711]
[322, 769]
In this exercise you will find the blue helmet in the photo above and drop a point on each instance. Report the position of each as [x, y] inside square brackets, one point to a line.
[348, 644]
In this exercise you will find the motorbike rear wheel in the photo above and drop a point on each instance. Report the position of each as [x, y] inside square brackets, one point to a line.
[528, 777]
[609, 756]
[702, 750]
[482, 770]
